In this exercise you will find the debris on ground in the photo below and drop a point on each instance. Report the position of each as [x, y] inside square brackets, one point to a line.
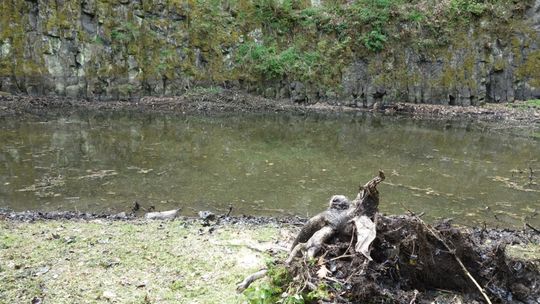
[356, 255]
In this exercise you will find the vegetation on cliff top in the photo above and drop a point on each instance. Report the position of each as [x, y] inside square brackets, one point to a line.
[246, 40]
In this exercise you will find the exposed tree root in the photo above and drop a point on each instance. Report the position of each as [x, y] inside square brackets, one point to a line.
[359, 256]
[250, 279]
[453, 252]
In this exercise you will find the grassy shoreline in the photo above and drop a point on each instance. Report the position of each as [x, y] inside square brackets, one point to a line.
[103, 261]
[107, 260]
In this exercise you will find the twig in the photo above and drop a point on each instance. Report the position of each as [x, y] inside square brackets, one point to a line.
[534, 229]
[230, 210]
[333, 280]
[412, 213]
[342, 257]
[414, 296]
[348, 248]
[453, 252]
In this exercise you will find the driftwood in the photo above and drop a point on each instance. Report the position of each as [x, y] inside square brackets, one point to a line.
[163, 215]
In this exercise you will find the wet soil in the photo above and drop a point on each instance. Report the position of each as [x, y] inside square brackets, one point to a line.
[231, 101]
[32, 216]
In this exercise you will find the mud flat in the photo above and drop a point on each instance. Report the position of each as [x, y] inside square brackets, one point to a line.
[526, 113]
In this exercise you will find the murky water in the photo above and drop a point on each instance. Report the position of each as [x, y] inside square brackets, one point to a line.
[269, 165]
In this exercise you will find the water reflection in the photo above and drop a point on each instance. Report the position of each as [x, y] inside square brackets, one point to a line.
[265, 164]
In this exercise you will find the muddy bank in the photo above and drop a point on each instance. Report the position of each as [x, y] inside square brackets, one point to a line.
[189, 103]
[206, 217]
[231, 101]
[411, 261]
[39, 248]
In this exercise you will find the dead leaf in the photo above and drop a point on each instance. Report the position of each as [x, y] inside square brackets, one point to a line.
[322, 272]
[366, 233]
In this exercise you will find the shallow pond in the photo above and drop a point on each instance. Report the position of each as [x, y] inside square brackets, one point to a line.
[266, 165]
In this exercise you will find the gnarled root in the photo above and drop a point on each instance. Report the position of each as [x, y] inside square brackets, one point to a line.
[294, 252]
[313, 245]
[317, 240]
[240, 287]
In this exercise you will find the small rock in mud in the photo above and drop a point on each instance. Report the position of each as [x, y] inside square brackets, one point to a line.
[207, 215]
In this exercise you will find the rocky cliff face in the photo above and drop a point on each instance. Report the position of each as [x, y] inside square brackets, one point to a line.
[125, 49]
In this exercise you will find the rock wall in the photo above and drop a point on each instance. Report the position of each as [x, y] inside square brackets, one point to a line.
[125, 49]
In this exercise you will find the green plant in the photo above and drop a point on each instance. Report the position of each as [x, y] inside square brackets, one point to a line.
[374, 40]
[125, 33]
[461, 7]
[525, 105]
[375, 14]
[270, 291]
[320, 293]
[279, 288]
[276, 16]
[533, 103]
[416, 16]
[270, 63]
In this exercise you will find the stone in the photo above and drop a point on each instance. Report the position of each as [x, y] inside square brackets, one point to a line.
[109, 295]
[5, 48]
[298, 91]
[269, 93]
[520, 291]
[89, 7]
[89, 23]
[73, 91]
[163, 215]
[207, 215]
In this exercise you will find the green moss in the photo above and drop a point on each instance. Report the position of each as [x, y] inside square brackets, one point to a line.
[208, 41]
[529, 252]
[530, 69]
[499, 64]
